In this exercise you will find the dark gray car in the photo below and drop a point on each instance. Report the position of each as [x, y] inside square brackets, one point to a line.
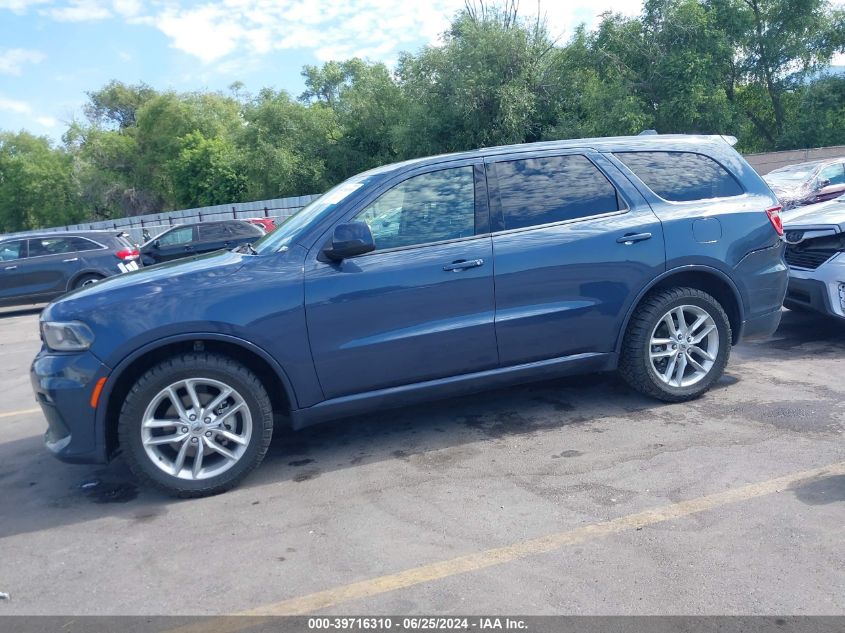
[202, 237]
[37, 268]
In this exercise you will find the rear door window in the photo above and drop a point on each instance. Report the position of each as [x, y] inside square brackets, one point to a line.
[535, 191]
[42, 246]
[681, 176]
[244, 229]
[214, 232]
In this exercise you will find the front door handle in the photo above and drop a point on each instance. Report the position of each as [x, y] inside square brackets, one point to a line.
[463, 264]
[72, 259]
[10, 267]
[630, 238]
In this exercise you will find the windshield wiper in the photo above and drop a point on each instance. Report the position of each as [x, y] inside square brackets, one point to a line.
[248, 247]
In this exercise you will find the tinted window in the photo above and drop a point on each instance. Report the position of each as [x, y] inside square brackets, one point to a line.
[537, 191]
[834, 173]
[681, 176]
[244, 229]
[50, 246]
[12, 250]
[214, 232]
[427, 208]
[182, 235]
[81, 244]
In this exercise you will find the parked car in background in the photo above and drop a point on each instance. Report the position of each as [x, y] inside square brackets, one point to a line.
[808, 183]
[39, 268]
[419, 280]
[815, 254]
[266, 224]
[185, 240]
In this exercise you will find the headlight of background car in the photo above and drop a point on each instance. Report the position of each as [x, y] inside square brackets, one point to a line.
[66, 337]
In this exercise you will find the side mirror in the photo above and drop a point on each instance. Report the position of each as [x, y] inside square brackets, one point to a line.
[157, 244]
[348, 240]
[823, 183]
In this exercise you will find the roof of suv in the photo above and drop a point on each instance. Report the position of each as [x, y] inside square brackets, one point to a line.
[664, 142]
[92, 234]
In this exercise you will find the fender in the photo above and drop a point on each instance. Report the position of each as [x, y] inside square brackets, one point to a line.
[117, 371]
[691, 268]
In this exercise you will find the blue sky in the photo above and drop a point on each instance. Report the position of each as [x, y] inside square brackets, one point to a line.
[53, 51]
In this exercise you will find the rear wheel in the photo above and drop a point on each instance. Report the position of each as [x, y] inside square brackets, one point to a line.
[196, 425]
[677, 344]
[86, 280]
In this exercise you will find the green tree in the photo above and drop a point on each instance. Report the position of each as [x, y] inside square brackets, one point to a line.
[37, 187]
[776, 44]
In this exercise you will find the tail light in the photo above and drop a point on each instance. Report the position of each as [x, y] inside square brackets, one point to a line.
[128, 254]
[775, 219]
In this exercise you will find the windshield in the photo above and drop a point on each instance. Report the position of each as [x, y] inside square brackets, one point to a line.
[313, 212]
[793, 175]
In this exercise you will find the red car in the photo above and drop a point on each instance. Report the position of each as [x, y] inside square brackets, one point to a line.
[266, 224]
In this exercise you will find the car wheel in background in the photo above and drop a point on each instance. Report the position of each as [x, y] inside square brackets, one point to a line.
[677, 344]
[195, 425]
[86, 280]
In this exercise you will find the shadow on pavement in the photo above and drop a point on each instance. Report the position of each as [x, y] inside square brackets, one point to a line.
[37, 492]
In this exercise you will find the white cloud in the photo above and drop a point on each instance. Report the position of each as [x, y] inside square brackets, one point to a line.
[47, 121]
[78, 11]
[215, 31]
[12, 60]
[127, 8]
[20, 6]
[13, 105]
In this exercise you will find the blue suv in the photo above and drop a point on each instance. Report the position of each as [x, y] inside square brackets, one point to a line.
[419, 280]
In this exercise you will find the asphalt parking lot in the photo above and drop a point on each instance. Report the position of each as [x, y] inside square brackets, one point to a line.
[574, 496]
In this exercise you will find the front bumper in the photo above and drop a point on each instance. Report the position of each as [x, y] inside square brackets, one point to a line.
[821, 290]
[63, 383]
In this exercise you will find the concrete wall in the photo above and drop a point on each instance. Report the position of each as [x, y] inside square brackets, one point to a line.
[764, 163]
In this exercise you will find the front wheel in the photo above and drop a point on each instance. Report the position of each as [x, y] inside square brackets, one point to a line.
[195, 425]
[677, 345]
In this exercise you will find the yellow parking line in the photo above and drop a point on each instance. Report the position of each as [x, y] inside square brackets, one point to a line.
[21, 412]
[543, 544]
[517, 551]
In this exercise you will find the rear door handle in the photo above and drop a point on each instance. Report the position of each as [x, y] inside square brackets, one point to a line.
[72, 259]
[10, 267]
[630, 238]
[463, 264]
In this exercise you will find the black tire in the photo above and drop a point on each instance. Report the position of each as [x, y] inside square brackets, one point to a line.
[86, 280]
[195, 365]
[635, 364]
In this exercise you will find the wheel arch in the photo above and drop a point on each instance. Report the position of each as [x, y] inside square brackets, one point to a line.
[121, 379]
[711, 280]
[84, 273]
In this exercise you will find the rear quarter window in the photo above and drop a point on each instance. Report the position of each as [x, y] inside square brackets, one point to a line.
[681, 176]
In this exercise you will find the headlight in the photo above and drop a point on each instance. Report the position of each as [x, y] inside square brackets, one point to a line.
[66, 337]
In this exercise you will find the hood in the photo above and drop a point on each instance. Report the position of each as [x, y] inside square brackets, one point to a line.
[827, 215]
[196, 273]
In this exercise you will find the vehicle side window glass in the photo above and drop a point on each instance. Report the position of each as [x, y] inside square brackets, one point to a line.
[681, 176]
[431, 207]
[214, 232]
[82, 244]
[536, 191]
[10, 251]
[50, 246]
[181, 235]
[243, 229]
[834, 173]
